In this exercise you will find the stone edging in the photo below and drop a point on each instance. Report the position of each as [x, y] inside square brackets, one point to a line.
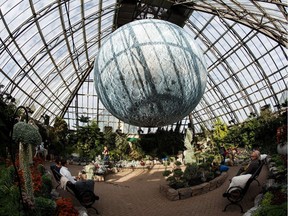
[183, 193]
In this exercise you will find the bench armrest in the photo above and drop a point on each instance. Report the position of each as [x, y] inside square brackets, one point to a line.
[235, 194]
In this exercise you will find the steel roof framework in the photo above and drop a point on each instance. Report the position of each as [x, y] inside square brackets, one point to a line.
[47, 53]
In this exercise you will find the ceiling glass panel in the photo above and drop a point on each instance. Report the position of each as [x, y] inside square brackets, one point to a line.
[247, 64]
[50, 26]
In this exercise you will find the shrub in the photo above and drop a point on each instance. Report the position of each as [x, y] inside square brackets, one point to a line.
[41, 169]
[271, 210]
[45, 206]
[9, 193]
[166, 173]
[190, 171]
[46, 185]
[9, 199]
[177, 173]
[267, 198]
[177, 163]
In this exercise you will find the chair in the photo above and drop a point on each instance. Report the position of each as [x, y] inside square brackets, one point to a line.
[83, 191]
[236, 193]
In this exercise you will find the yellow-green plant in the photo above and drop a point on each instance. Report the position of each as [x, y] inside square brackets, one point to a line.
[220, 131]
[25, 134]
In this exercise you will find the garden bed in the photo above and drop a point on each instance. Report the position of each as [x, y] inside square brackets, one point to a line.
[184, 193]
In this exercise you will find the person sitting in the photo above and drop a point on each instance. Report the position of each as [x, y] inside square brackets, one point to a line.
[245, 172]
[252, 166]
[78, 183]
[57, 166]
[66, 173]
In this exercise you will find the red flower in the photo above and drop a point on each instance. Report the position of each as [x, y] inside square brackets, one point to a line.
[65, 207]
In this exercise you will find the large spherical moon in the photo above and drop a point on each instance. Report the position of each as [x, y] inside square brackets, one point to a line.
[150, 73]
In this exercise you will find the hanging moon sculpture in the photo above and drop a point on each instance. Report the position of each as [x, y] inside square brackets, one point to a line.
[150, 73]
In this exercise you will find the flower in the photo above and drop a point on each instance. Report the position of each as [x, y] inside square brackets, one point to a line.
[36, 178]
[65, 207]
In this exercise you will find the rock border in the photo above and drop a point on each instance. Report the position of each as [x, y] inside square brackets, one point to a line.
[184, 193]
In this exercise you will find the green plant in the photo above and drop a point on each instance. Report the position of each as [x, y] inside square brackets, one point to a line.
[25, 134]
[58, 136]
[210, 175]
[41, 169]
[44, 206]
[9, 200]
[46, 185]
[220, 131]
[166, 173]
[190, 171]
[205, 166]
[9, 193]
[177, 173]
[178, 163]
[267, 199]
[176, 183]
[162, 143]
[277, 159]
[257, 131]
[271, 210]
[166, 163]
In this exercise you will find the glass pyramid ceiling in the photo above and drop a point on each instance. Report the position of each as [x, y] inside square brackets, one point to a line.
[47, 50]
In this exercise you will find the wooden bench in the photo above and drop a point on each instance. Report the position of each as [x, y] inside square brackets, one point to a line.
[236, 193]
[85, 196]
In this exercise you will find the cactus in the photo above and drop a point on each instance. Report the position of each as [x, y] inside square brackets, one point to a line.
[26, 135]
[190, 152]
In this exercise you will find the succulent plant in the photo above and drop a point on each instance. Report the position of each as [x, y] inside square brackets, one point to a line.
[26, 135]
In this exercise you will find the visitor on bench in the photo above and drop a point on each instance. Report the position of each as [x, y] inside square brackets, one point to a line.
[57, 166]
[245, 172]
[78, 183]
[66, 174]
[252, 166]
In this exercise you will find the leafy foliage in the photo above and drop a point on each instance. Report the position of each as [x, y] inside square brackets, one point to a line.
[192, 175]
[162, 143]
[220, 131]
[26, 134]
[9, 193]
[58, 136]
[166, 172]
[44, 206]
[46, 185]
[6, 112]
[257, 131]
[271, 210]
[87, 140]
